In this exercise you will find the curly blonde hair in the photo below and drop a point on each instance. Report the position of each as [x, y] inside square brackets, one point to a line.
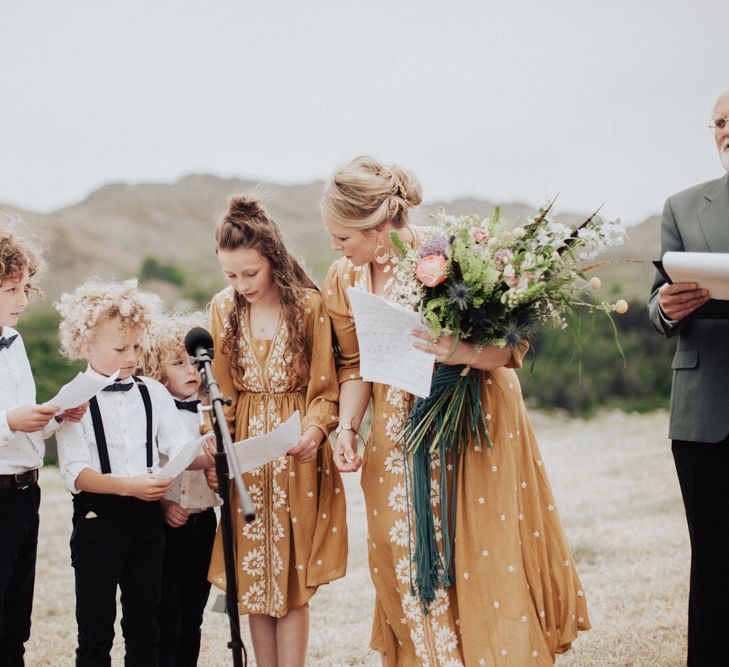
[366, 193]
[166, 339]
[95, 302]
[19, 250]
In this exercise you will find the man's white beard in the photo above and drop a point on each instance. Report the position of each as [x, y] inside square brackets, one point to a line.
[724, 155]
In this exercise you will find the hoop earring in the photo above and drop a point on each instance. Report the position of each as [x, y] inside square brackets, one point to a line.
[381, 253]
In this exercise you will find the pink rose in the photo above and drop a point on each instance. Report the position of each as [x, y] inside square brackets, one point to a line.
[479, 234]
[503, 256]
[431, 270]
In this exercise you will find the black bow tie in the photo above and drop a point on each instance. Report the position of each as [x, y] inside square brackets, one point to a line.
[7, 342]
[118, 386]
[190, 406]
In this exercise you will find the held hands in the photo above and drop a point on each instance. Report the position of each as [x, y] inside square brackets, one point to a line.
[305, 450]
[345, 451]
[30, 418]
[146, 487]
[175, 515]
[681, 299]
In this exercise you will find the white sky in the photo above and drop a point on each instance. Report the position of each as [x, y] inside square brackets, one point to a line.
[504, 100]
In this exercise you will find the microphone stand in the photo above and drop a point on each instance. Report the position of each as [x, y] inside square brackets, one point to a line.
[225, 461]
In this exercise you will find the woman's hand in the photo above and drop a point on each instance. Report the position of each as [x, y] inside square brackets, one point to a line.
[307, 446]
[485, 358]
[345, 451]
[441, 348]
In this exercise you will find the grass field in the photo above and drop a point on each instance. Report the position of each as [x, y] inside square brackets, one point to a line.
[619, 499]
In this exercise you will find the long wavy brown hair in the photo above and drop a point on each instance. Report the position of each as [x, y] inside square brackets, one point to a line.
[246, 225]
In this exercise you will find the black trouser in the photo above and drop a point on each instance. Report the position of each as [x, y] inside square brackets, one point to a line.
[18, 547]
[185, 589]
[703, 472]
[121, 546]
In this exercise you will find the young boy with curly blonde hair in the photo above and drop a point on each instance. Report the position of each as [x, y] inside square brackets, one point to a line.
[23, 425]
[107, 462]
[189, 502]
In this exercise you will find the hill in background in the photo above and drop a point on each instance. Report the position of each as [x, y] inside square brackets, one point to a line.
[164, 233]
[112, 231]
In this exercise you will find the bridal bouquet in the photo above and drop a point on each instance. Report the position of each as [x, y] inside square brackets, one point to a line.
[488, 283]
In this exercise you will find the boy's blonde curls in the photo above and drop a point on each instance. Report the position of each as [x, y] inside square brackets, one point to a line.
[166, 339]
[18, 250]
[95, 302]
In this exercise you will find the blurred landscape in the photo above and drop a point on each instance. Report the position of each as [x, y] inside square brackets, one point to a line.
[163, 234]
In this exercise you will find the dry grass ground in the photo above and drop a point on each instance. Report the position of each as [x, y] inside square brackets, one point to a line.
[619, 499]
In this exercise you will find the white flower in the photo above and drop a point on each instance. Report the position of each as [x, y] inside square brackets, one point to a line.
[399, 533]
[125, 307]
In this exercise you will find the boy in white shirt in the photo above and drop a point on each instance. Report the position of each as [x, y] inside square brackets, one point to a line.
[23, 425]
[187, 505]
[107, 461]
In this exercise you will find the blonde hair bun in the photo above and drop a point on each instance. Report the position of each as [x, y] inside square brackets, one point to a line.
[366, 193]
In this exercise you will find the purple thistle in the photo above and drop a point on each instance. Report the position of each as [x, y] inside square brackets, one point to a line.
[459, 294]
[433, 246]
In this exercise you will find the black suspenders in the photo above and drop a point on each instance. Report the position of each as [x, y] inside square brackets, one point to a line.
[100, 436]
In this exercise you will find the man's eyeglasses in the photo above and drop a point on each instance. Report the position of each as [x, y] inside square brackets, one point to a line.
[719, 124]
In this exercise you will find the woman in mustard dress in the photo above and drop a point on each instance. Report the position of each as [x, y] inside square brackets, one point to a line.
[516, 597]
[273, 356]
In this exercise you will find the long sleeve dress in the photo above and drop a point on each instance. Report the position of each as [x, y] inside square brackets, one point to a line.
[516, 599]
[298, 540]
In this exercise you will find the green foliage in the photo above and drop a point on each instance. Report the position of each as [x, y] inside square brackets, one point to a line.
[40, 335]
[50, 369]
[155, 270]
[582, 378]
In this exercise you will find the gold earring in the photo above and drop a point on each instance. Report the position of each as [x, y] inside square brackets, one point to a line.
[381, 253]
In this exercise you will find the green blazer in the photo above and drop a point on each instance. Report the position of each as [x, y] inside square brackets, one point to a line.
[697, 220]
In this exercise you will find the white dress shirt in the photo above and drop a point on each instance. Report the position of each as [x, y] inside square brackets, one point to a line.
[125, 428]
[190, 490]
[19, 452]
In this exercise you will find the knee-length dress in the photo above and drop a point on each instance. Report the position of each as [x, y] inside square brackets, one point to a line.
[298, 540]
[516, 599]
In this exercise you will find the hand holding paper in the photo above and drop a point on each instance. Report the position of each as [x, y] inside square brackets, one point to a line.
[175, 466]
[694, 278]
[261, 449]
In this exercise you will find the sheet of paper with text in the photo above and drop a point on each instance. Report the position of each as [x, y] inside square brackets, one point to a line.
[385, 342]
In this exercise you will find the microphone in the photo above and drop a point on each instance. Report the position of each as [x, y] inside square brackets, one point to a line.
[199, 343]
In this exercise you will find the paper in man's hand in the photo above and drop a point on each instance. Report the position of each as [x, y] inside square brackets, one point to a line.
[709, 270]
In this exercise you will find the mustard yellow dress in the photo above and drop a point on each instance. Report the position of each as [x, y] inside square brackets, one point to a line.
[517, 599]
[298, 540]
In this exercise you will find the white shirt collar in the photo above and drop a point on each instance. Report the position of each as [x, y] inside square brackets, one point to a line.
[104, 378]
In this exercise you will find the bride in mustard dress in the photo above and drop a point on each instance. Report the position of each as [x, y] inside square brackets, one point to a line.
[516, 597]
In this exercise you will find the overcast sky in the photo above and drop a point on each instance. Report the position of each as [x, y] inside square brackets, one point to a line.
[505, 100]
